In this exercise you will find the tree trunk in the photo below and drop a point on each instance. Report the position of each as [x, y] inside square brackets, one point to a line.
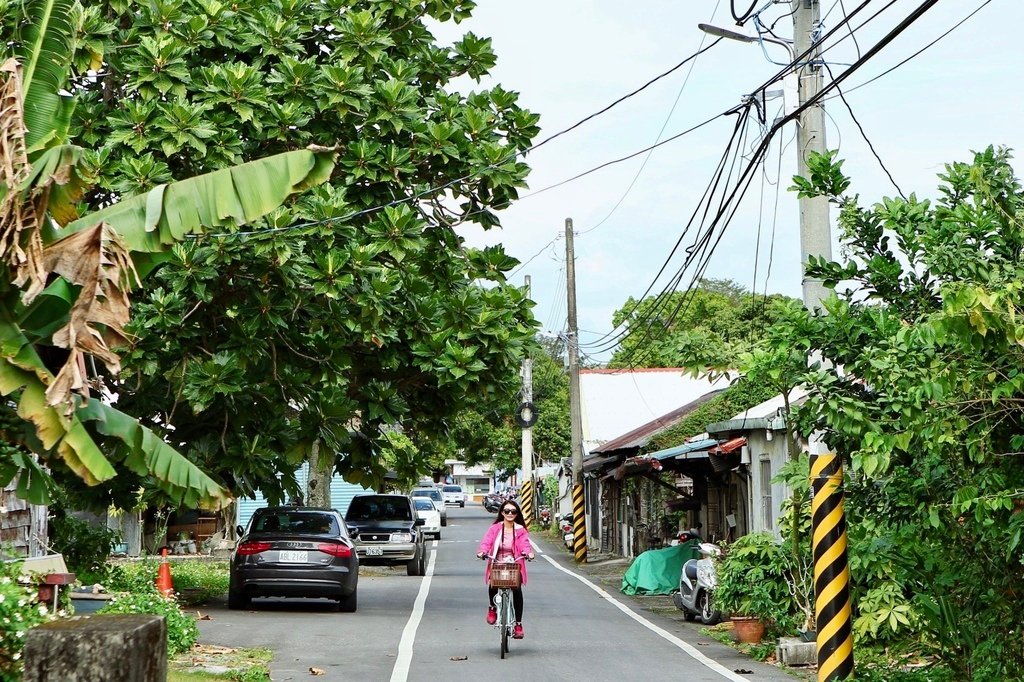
[793, 455]
[318, 484]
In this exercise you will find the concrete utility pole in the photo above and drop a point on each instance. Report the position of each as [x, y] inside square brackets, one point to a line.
[815, 232]
[833, 613]
[579, 519]
[528, 488]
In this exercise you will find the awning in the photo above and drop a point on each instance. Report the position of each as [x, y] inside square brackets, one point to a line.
[695, 450]
[729, 446]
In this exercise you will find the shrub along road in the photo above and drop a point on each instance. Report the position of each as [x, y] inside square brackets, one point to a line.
[430, 628]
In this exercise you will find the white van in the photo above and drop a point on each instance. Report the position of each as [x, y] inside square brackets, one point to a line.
[453, 495]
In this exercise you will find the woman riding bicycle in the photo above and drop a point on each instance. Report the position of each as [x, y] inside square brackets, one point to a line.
[507, 540]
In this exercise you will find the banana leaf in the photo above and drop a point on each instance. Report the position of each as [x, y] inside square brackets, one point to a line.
[146, 453]
[44, 50]
[163, 216]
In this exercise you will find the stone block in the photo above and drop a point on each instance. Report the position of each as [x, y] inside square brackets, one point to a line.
[793, 652]
[106, 648]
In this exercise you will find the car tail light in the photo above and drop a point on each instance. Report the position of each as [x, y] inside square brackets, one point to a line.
[247, 548]
[335, 549]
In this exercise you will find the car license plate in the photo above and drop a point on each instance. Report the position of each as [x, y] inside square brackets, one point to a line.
[290, 557]
[374, 551]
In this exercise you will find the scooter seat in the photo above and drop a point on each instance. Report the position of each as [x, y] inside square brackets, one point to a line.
[690, 569]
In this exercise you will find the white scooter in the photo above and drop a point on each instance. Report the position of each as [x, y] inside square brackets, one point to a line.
[696, 586]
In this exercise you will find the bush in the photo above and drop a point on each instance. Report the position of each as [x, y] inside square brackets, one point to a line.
[131, 577]
[182, 631]
[85, 546]
[202, 579]
[19, 612]
[753, 580]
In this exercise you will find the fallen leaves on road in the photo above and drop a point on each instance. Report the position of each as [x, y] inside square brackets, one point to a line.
[317, 671]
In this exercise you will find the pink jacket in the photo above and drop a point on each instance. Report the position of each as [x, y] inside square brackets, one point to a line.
[520, 545]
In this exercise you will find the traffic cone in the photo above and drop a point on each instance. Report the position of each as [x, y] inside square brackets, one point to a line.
[164, 585]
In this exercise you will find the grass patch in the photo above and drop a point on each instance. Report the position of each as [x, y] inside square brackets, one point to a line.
[196, 581]
[204, 663]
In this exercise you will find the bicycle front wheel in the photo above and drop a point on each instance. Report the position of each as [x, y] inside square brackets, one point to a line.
[505, 621]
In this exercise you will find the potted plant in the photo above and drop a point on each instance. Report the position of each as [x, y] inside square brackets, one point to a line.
[753, 585]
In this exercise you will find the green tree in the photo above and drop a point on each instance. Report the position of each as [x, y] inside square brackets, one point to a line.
[922, 393]
[491, 436]
[337, 320]
[665, 330]
[64, 292]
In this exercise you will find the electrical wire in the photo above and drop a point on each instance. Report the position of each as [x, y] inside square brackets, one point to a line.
[611, 338]
[919, 52]
[866, 139]
[623, 158]
[622, 99]
[744, 180]
[664, 298]
[661, 132]
[746, 15]
[440, 188]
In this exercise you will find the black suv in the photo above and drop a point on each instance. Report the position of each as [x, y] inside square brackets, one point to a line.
[387, 532]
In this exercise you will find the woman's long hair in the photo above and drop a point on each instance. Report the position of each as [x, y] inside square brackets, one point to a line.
[519, 513]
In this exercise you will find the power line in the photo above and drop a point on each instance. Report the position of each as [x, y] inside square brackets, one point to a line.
[744, 180]
[661, 132]
[866, 139]
[643, 87]
[439, 188]
[929, 45]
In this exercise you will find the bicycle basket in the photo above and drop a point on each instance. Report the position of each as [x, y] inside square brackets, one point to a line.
[505, 575]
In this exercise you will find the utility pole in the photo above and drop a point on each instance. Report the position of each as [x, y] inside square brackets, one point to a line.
[833, 612]
[528, 492]
[815, 232]
[579, 517]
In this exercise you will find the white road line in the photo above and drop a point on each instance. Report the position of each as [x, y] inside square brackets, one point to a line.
[664, 634]
[400, 673]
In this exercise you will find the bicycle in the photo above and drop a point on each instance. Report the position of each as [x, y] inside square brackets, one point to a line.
[505, 576]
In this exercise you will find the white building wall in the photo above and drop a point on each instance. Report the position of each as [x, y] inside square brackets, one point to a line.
[773, 451]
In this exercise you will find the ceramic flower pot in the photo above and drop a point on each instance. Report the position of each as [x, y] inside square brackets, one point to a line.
[748, 629]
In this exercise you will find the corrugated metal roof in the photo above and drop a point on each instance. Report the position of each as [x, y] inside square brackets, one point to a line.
[615, 402]
[698, 446]
[640, 436]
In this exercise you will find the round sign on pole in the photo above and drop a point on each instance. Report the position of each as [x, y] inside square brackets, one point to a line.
[526, 415]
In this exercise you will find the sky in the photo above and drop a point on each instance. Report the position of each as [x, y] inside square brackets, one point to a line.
[571, 58]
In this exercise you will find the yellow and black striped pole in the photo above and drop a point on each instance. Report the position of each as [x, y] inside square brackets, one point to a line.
[833, 616]
[579, 524]
[526, 501]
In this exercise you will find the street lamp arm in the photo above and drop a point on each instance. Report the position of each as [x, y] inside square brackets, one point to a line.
[744, 38]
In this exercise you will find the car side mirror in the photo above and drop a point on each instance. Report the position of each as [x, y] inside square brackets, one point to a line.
[240, 531]
[420, 522]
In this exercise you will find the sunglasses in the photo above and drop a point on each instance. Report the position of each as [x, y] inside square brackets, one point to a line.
[508, 511]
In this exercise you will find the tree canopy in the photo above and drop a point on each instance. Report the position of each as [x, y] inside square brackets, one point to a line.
[354, 309]
[666, 330]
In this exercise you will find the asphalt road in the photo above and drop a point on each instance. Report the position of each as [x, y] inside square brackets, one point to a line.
[417, 629]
